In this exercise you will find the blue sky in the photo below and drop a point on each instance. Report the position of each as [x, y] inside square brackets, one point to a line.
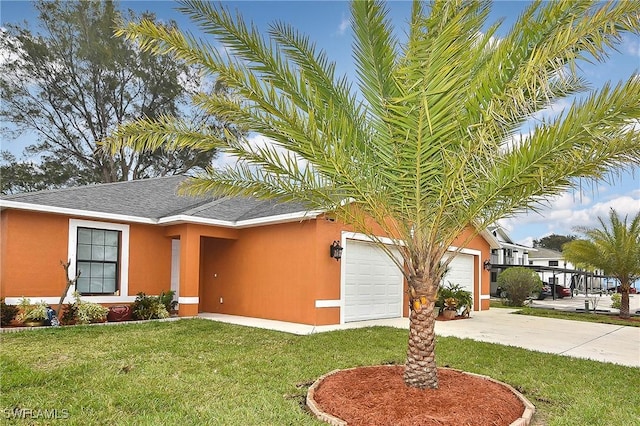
[327, 23]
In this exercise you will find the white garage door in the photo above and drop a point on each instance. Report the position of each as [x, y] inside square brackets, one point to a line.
[460, 272]
[373, 283]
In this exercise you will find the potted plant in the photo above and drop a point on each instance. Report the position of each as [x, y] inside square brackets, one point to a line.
[450, 308]
[32, 315]
[461, 296]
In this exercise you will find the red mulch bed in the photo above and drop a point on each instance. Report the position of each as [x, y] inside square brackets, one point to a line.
[377, 396]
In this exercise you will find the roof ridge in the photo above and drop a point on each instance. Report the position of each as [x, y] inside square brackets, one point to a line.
[199, 207]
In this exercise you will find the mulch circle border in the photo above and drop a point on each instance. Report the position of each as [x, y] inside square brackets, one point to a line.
[524, 420]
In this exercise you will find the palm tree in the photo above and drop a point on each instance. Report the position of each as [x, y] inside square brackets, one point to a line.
[427, 146]
[613, 248]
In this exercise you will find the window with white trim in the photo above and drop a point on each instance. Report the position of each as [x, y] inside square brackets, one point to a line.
[97, 260]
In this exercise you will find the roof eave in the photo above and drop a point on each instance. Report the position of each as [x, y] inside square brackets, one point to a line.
[7, 204]
[168, 220]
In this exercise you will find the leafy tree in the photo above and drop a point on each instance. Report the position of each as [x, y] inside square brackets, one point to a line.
[614, 247]
[48, 173]
[519, 283]
[425, 148]
[74, 83]
[553, 241]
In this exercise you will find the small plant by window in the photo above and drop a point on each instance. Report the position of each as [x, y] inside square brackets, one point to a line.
[150, 307]
[8, 312]
[29, 312]
[82, 312]
[166, 298]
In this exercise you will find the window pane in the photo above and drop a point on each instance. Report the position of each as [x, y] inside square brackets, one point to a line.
[97, 252]
[82, 285]
[97, 270]
[111, 253]
[84, 235]
[111, 238]
[84, 268]
[84, 252]
[97, 237]
[110, 270]
[96, 285]
[109, 286]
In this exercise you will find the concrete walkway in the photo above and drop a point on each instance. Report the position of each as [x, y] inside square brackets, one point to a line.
[600, 342]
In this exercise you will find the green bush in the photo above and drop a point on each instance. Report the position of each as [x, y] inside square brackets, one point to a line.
[8, 312]
[616, 300]
[29, 312]
[149, 307]
[166, 298]
[82, 312]
[519, 283]
[454, 291]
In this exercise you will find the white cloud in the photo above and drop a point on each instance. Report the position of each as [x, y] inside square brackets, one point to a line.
[553, 110]
[567, 212]
[632, 45]
[344, 25]
[252, 142]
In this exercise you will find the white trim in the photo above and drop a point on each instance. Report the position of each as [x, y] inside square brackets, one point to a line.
[183, 218]
[269, 220]
[363, 237]
[168, 220]
[74, 224]
[485, 297]
[189, 300]
[328, 303]
[74, 212]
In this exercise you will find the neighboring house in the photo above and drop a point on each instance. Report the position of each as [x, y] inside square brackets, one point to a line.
[231, 255]
[555, 269]
[507, 254]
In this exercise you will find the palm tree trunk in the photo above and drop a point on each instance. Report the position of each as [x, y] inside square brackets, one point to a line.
[420, 369]
[624, 303]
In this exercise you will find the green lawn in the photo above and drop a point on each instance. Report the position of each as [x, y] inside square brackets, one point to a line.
[579, 316]
[194, 371]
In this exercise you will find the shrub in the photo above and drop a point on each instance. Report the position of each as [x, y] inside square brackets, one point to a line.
[461, 296]
[149, 307]
[29, 312]
[519, 283]
[82, 312]
[8, 312]
[91, 312]
[166, 298]
[616, 300]
[70, 314]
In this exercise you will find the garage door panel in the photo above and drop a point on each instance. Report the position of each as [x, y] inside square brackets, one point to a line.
[373, 283]
[461, 272]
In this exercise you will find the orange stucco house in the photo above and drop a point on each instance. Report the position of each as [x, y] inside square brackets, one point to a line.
[231, 255]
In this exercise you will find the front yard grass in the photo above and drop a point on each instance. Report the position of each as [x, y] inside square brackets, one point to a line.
[579, 316]
[197, 371]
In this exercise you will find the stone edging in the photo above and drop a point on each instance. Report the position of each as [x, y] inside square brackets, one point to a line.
[523, 420]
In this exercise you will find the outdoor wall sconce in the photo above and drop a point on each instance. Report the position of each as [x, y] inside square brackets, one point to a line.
[335, 250]
[487, 265]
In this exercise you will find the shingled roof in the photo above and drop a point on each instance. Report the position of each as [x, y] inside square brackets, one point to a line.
[152, 199]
